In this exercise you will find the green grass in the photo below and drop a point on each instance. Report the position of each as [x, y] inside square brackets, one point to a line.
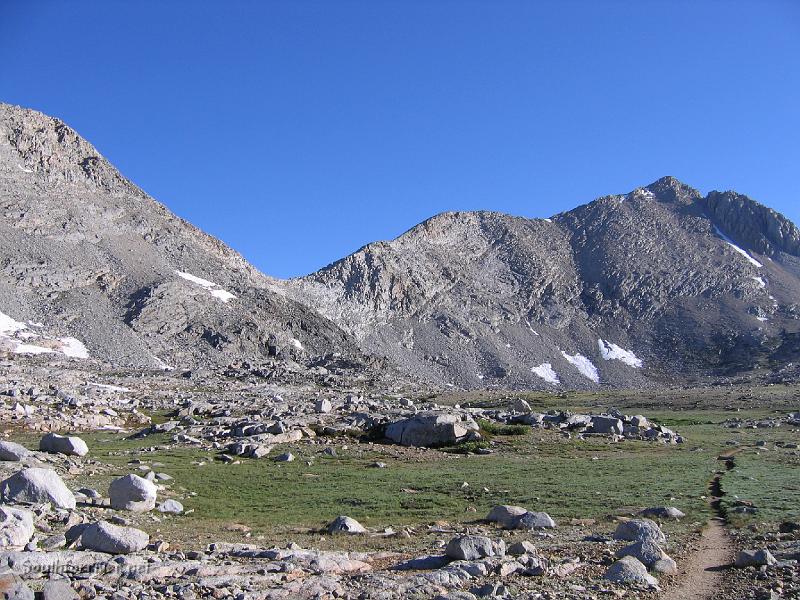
[495, 428]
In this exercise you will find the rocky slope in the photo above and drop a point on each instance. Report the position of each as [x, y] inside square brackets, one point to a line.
[92, 266]
[658, 285]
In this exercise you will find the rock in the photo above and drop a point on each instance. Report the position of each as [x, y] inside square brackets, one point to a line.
[323, 406]
[132, 493]
[665, 566]
[520, 405]
[520, 548]
[285, 457]
[470, 547]
[646, 551]
[430, 429]
[61, 444]
[89, 493]
[637, 530]
[534, 520]
[663, 512]
[171, 506]
[506, 516]
[606, 425]
[59, 589]
[12, 452]
[423, 563]
[113, 539]
[16, 527]
[630, 571]
[344, 524]
[13, 588]
[754, 558]
[35, 486]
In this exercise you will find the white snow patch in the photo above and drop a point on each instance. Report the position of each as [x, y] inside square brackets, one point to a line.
[212, 287]
[760, 281]
[546, 372]
[110, 388]
[479, 376]
[610, 351]
[223, 295]
[729, 241]
[584, 365]
[23, 169]
[9, 325]
[31, 349]
[38, 325]
[296, 343]
[73, 348]
[531, 328]
[162, 365]
[548, 220]
[762, 319]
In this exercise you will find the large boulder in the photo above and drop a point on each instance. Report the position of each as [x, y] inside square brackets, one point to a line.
[63, 444]
[470, 547]
[132, 493]
[606, 425]
[59, 589]
[345, 525]
[16, 527]
[37, 486]
[754, 558]
[647, 552]
[13, 588]
[663, 512]
[638, 530]
[12, 452]
[630, 571]
[534, 520]
[506, 516]
[113, 539]
[429, 429]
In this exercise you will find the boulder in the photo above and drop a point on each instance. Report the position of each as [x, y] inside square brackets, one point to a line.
[663, 512]
[113, 539]
[62, 444]
[428, 430]
[506, 516]
[470, 547]
[606, 425]
[16, 527]
[13, 588]
[637, 530]
[132, 493]
[37, 486]
[630, 571]
[665, 566]
[523, 547]
[323, 406]
[754, 558]
[534, 520]
[344, 524]
[646, 551]
[59, 589]
[171, 506]
[12, 452]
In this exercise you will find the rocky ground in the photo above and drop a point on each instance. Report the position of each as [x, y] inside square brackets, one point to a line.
[81, 521]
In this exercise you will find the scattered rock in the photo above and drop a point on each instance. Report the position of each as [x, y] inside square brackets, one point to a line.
[430, 429]
[113, 539]
[663, 512]
[534, 520]
[35, 485]
[637, 530]
[754, 558]
[470, 547]
[506, 516]
[630, 571]
[344, 524]
[171, 506]
[16, 527]
[12, 452]
[132, 493]
[61, 444]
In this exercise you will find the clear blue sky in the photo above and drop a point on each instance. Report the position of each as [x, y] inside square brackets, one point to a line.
[298, 131]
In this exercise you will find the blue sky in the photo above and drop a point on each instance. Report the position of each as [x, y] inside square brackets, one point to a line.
[298, 131]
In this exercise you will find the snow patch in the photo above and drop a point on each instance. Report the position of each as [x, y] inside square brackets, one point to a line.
[531, 328]
[548, 220]
[212, 287]
[73, 348]
[610, 351]
[9, 325]
[296, 343]
[479, 376]
[760, 281]
[546, 372]
[584, 365]
[24, 170]
[729, 241]
[31, 349]
[762, 319]
[110, 388]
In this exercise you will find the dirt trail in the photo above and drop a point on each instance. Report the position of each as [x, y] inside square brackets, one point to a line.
[705, 568]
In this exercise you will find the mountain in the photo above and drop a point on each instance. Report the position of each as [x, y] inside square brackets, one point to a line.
[91, 265]
[660, 285]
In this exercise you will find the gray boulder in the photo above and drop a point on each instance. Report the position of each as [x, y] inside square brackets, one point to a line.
[534, 520]
[16, 527]
[344, 524]
[13, 588]
[754, 558]
[12, 452]
[59, 589]
[429, 429]
[132, 493]
[665, 566]
[606, 425]
[113, 539]
[37, 486]
[663, 512]
[170, 506]
[62, 444]
[647, 552]
[505, 515]
[637, 530]
[523, 547]
[470, 547]
[630, 571]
